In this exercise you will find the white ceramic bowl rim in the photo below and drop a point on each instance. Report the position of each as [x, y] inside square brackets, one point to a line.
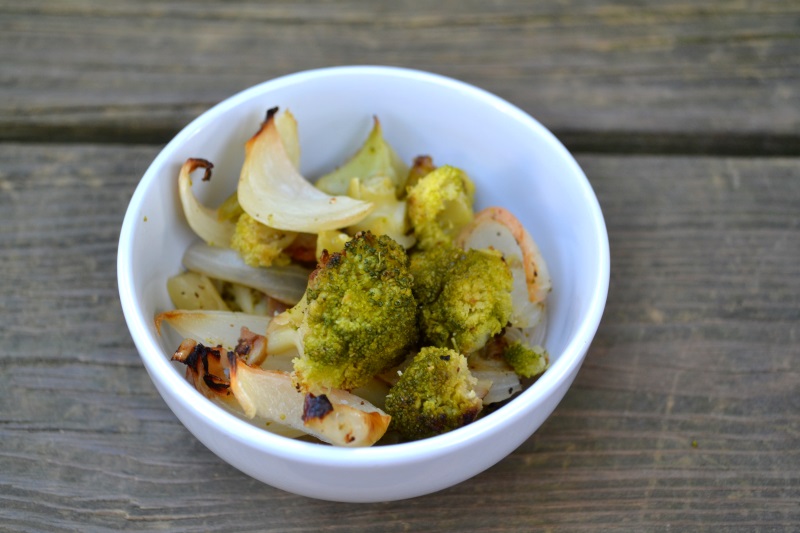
[511, 413]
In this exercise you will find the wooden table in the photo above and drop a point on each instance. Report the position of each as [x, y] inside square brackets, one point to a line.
[685, 115]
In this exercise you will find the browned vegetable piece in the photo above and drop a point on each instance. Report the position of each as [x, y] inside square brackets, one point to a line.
[423, 165]
[205, 369]
[272, 395]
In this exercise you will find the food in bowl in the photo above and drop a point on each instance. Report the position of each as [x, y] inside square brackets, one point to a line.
[373, 305]
[514, 162]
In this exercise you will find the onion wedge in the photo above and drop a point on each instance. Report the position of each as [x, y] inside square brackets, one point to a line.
[207, 370]
[498, 229]
[287, 129]
[501, 384]
[375, 158]
[271, 394]
[286, 284]
[212, 328]
[272, 191]
[193, 290]
[203, 220]
[496, 375]
[235, 332]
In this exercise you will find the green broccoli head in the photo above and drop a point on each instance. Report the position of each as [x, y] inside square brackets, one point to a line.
[434, 395]
[430, 269]
[464, 297]
[359, 314]
[527, 361]
[259, 244]
[439, 205]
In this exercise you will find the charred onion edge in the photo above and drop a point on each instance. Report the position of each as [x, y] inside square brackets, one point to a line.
[316, 407]
[197, 358]
[193, 163]
[251, 347]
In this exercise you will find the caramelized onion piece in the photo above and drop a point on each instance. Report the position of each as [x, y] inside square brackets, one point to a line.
[494, 375]
[272, 191]
[207, 370]
[214, 328]
[203, 220]
[272, 395]
[251, 347]
[348, 425]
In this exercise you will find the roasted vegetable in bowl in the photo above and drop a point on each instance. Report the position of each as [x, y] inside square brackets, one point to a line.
[435, 394]
[372, 306]
[356, 319]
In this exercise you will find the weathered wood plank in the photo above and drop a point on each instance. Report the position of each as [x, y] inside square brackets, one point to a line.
[686, 414]
[657, 76]
[62, 210]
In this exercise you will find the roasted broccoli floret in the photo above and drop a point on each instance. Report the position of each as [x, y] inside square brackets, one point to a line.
[430, 270]
[464, 297]
[261, 245]
[435, 394]
[439, 205]
[357, 318]
[527, 361]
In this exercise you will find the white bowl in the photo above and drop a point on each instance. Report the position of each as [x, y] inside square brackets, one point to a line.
[515, 162]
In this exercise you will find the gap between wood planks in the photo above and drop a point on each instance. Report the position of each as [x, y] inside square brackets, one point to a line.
[598, 142]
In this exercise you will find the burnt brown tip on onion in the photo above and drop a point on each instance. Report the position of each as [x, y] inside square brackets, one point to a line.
[193, 163]
[346, 425]
[272, 395]
[316, 407]
[205, 367]
[203, 220]
[251, 347]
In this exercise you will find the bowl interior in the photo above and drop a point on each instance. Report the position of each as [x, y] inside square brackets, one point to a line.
[514, 161]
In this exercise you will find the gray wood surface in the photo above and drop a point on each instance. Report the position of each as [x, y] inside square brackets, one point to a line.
[684, 115]
[684, 414]
[672, 75]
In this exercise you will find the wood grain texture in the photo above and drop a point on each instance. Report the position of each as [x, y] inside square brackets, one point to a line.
[670, 76]
[685, 415]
